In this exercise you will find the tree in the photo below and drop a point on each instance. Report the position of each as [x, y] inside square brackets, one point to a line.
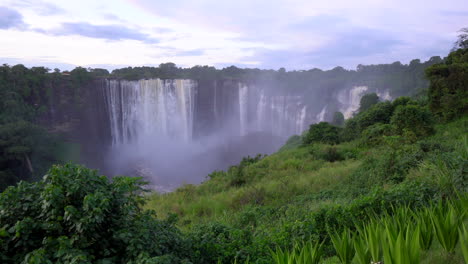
[448, 91]
[413, 118]
[367, 101]
[322, 132]
[378, 113]
[462, 41]
[76, 216]
[338, 119]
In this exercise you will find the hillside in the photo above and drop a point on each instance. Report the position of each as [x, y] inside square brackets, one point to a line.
[296, 194]
[388, 184]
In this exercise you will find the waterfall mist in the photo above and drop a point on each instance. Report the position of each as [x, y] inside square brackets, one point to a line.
[177, 131]
[174, 131]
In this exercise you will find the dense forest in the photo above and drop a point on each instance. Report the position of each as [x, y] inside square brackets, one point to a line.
[389, 184]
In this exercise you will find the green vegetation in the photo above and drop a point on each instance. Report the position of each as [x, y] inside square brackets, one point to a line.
[448, 95]
[382, 188]
[390, 185]
[338, 119]
[367, 101]
[75, 216]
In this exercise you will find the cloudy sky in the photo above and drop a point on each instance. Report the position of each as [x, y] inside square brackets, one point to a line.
[295, 34]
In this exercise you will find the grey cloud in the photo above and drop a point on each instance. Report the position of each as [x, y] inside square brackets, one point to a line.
[195, 52]
[108, 32]
[162, 30]
[10, 18]
[360, 42]
[113, 17]
[40, 7]
[347, 49]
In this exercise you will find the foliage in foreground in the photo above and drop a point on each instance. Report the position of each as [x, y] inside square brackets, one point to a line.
[397, 238]
[76, 216]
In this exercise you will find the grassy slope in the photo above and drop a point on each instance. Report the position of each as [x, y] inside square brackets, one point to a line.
[285, 187]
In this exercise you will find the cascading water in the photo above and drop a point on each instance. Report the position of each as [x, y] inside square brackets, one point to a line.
[243, 111]
[149, 108]
[350, 99]
[321, 116]
[282, 115]
[158, 125]
[384, 96]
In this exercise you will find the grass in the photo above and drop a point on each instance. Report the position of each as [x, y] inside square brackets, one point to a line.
[273, 200]
[280, 184]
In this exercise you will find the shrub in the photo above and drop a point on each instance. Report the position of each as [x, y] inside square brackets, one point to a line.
[367, 101]
[218, 243]
[413, 118]
[403, 100]
[379, 113]
[322, 132]
[332, 154]
[338, 119]
[292, 142]
[75, 215]
[372, 135]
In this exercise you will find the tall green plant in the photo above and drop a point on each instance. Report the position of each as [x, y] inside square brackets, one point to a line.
[308, 253]
[464, 242]
[373, 235]
[446, 221]
[281, 256]
[343, 244]
[363, 255]
[423, 220]
[401, 247]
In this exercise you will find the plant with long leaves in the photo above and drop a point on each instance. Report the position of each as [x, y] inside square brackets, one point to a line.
[401, 247]
[464, 242]
[281, 256]
[373, 234]
[426, 234]
[344, 245]
[363, 255]
[308, 253]
[446, 220]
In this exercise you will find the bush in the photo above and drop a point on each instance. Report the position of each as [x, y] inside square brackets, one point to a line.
[413, 118]
[293, 142]
[367, 101]
[236, 174]
[402, 100]
[75, 215]
[373, 135]
[379, 113]
[322, 132]
[218, 243]
[338, 119]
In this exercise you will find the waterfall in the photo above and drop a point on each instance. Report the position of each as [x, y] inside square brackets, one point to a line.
[300, 122]
[261, 110]
[384, 96]
[350, 99]
[148, 108]
[243, 111]
[145, 109]
[282, 115]
[321, 116]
